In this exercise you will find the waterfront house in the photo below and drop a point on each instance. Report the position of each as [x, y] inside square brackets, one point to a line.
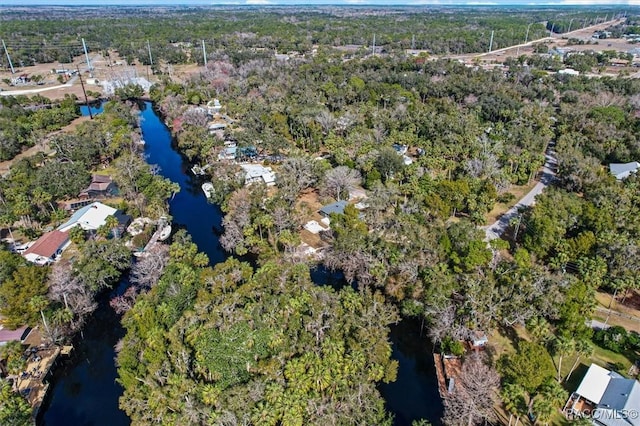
[257, 173]
[47, 248]
[100, 186]
[229, 152]
[89, 218]
[213, 107]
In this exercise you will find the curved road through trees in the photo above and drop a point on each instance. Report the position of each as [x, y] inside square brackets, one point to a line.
[496, 229]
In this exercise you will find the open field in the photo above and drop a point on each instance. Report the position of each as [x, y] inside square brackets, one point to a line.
[111, 68]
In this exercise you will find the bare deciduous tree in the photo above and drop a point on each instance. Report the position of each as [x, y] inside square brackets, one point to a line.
[71, 291]
[326, 121]
[148, 269]
[237, 218]
[340, 180]
[195, 117]
[474, 394]
[443, 323]
[296, 174]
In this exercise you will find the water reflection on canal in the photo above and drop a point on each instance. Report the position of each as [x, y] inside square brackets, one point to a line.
[85, 392]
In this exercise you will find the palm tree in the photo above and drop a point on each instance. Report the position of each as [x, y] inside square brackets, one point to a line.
[563, 345]
[7, 220]
[39, 303]
[584, 349]
[210, 394]
[513, 397]
[554, 392]
[539, 329]
[544, 409]
[63, 316]
[111, 223]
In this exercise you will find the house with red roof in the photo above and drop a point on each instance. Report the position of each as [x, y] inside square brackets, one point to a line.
[47, 248]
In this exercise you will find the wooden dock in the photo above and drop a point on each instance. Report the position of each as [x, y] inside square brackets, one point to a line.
[33, 382]
[447, 372]
[442, 382]
[152, 242]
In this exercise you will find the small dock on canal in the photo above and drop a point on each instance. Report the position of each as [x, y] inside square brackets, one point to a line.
[33, 382]
[447, 372]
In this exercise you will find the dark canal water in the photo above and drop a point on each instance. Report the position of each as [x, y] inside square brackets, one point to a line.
[85, 391]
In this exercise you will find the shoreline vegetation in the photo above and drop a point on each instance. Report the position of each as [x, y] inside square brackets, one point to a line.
[383, 164]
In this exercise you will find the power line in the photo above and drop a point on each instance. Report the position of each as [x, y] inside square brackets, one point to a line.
[8, 57]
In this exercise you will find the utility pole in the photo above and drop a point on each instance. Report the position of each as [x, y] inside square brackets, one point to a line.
[373, 51]
[86, 55]
[85, 93]
[150, 58]
[515, 236]
[204, 53]
[149, 49]
[526, 36]
[8, 57]
[491, 42]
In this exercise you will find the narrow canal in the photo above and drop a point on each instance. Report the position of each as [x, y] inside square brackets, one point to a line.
[85, 391]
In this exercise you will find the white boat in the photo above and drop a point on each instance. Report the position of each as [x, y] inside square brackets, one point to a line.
[164, 233]
[200, 171]
[208, 189]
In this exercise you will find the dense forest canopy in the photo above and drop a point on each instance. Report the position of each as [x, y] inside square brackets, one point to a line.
[175, 33]
[230, 345]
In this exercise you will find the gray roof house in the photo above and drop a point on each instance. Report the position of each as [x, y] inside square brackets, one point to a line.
[337, 207]
[608, 398]
[623, 170]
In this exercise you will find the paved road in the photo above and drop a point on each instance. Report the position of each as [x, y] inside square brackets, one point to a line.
[38, 90]
[587, 30]
[597, 325]
[496, 229]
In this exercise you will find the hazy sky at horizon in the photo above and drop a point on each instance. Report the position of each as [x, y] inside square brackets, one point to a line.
[322, 2]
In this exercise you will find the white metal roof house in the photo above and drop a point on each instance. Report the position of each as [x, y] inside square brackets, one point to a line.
[623, 170]
[89, 217]
[213, 107]
[608, 398]
[258, 173]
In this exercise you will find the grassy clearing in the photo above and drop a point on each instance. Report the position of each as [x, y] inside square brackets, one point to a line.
[604, 300]
[611, 360]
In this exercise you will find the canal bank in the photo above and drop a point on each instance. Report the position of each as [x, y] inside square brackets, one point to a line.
[413, 396]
